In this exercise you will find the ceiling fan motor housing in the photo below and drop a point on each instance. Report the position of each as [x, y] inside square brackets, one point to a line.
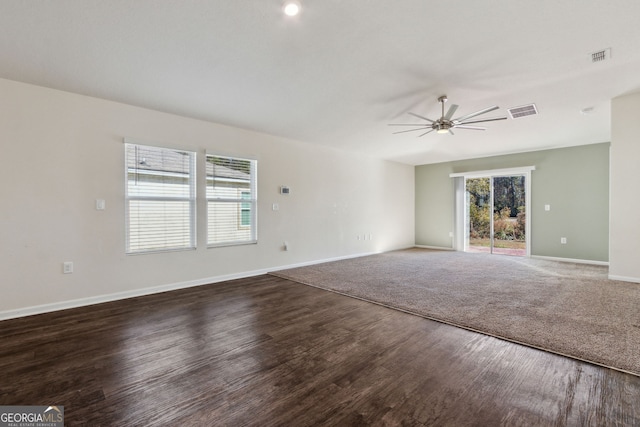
[442, 125]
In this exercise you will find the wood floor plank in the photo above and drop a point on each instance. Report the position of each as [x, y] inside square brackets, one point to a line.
[265, 351]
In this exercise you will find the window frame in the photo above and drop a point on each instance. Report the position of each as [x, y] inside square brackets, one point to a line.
[191, 199]
[240, 201]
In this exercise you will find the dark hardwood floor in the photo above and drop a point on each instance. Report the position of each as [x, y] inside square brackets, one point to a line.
[265, 351]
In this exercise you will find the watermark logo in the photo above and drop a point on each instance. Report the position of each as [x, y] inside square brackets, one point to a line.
[31, 416]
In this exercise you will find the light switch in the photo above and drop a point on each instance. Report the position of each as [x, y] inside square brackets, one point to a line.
[101, 205]
[67, 267]
[547, 207]
[275, 207]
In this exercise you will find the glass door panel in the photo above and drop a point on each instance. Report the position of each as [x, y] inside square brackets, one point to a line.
[478, 218]
[509, 215]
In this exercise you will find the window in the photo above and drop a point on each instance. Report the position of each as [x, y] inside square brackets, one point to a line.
[160, 199]
[231, 201]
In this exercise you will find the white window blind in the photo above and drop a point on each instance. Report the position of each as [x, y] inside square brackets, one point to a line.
[231, 201]
[160, 199]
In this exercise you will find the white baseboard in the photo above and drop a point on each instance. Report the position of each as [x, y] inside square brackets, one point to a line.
[624, 278]
[82, 302]
[304, 264]
[575, 261]
[438, 248]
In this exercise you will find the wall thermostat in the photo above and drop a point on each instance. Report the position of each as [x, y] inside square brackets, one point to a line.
[284, 189]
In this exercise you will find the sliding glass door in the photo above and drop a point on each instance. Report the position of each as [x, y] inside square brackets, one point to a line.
[495, 215]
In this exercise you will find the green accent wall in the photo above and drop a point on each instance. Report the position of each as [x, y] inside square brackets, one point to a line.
[574, 181]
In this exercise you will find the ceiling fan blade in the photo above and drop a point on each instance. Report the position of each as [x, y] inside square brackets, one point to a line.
[492, 119]
[477, 113]
[411, 130]
[406, 124]
[430, 130]
[421, 117]
[452, 110]
[470, 127]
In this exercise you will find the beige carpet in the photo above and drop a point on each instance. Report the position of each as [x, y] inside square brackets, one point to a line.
[569, 309]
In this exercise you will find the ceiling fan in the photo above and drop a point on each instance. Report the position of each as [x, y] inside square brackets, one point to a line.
[445, 123]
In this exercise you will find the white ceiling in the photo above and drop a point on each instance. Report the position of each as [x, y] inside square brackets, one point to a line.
[341, 71]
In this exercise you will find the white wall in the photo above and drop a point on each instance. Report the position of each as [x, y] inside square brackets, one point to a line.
[60, 152]
[624, 238]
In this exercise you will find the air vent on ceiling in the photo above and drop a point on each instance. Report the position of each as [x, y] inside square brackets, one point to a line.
[601, 55]
[523, 111]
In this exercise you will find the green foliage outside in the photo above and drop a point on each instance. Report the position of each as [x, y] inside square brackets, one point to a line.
[509, 216]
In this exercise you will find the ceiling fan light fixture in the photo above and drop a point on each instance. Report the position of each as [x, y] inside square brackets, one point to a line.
[442, 126]
[291, 7]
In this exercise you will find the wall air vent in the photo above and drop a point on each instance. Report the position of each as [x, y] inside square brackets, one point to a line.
[601, 55]
[523, 111]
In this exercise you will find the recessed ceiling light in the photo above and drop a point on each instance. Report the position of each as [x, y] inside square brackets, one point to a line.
[587, 110]
[291, 7]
